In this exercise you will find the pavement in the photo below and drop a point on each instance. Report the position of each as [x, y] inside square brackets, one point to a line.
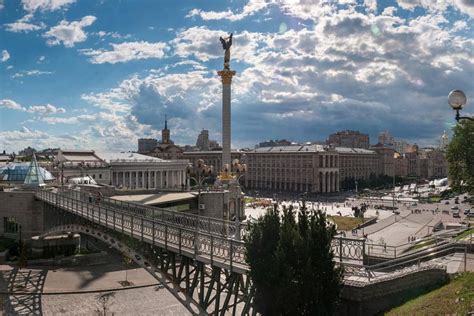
[85, 291]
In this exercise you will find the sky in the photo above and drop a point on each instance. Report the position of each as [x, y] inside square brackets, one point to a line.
[90, 74]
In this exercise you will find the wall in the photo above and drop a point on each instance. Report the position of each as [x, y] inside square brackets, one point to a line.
[27, 211]
[378, 297]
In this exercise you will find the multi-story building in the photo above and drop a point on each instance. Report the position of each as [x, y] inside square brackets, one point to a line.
[125, 170]
[166, 149]
[351, 139]
[386, 156]
[358, 163]
[304, 168]
[204, 143]
[146, 145]
[386, 139]
[274, 143]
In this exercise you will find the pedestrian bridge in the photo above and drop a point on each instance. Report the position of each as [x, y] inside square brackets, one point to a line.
[203, 258]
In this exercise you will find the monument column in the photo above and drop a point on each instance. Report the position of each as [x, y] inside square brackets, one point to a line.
[226, 77]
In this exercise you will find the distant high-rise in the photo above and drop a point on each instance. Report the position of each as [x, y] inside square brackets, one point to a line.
[444, 141]
[351, 139]
[203, 140]
[386, 139]
[146, 145]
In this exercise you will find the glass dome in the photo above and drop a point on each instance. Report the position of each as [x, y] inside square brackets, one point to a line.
[17, 172]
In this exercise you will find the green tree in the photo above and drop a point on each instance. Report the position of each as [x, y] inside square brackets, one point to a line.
[460, 156]
[291, 263]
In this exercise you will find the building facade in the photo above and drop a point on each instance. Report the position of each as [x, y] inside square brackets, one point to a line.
[146, 145]
[122, 170]
[303, 168]
[351, 139]
[358, 163]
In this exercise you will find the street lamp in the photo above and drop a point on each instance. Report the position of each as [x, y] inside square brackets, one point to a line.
[199, 173]
[457, 99]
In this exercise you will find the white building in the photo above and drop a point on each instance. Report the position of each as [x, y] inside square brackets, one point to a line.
[123, 170]
[135, 171]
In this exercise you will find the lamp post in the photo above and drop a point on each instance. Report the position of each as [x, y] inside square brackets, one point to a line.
[201, 172]
[456, 100]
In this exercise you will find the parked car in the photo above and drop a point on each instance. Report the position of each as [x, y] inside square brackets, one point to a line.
[447, 202]
[456, 214]
[466, 211]
[455, 207]
[471, 213]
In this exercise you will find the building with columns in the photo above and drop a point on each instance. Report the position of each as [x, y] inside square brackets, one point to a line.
[135, 171]
[303, 168]
[122, 170]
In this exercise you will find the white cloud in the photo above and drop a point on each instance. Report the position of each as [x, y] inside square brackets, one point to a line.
[45, 109]
[5, 56]
[250, 8]
[10, 104]
[34, 72]
[464, 6]
[41, 59]
[126, 51]
[24, 25]
[45, 5]
[69, 33]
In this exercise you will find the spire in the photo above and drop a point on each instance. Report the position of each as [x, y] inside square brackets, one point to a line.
[166, 121]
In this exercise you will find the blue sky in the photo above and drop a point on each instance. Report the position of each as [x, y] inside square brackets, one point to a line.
[101, 74]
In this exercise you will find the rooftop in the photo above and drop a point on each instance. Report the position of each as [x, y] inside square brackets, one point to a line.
[292, 148]
[348, 150]
[126, 157]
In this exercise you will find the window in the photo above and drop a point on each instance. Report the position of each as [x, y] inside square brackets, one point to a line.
[10, 225]
[100, 175]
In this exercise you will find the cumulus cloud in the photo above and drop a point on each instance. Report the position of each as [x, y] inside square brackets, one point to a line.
[252, 7]
[69, 33]
[10, 104]
[45, 109]
[5, 56]
[126, 51]
[45, 5]
[24, 25]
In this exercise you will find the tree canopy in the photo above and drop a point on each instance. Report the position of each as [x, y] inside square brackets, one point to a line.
[460, 156]
[291, 263]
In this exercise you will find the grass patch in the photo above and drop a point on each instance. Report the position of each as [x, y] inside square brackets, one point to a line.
[347, 223]
[455, 298]
[464, 234]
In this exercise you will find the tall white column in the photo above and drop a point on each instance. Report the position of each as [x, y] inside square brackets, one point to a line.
[226, 77]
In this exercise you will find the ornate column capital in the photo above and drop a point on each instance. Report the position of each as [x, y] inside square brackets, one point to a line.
[226, 75]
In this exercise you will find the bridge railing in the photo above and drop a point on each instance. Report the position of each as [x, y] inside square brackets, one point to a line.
[211, 225]
[200, 245]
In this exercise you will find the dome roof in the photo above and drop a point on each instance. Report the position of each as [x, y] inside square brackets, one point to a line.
[17, 172]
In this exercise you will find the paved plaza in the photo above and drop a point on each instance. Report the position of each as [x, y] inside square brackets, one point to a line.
[411, 222]
[78, 291]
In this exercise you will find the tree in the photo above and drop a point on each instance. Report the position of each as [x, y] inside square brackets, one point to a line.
[460, 156]
[291, 263]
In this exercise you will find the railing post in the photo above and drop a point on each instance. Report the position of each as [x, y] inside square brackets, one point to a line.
[209, 225]
[98, 206]
[122, 222]
[166, 237]
[195, 243]
[179, 240]
[395, 252]
[212, 250]
[106, 217]
[113, 214]
[153, 233]
[142, 228]
[231, 252]
[340, 249]
[131, 225]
